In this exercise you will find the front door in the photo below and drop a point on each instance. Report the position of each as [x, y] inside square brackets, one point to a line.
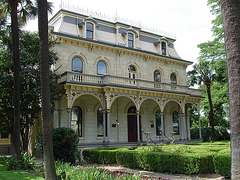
[132, 128]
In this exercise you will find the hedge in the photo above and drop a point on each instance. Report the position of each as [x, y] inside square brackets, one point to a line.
[222, 163]
[101, 155]
[183, 159]
[167, 162]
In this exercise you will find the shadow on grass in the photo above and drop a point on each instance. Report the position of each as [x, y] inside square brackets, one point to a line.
[17, 175]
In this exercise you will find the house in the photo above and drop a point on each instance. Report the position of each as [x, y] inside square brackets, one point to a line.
[120, 84]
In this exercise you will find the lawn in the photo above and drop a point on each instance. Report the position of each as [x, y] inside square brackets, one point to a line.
[17, 175]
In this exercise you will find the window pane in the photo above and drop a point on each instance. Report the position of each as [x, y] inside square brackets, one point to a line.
[130, 36]
[157, 76]
[176, 122]
[132, 109]
[131, 68]
[130, 44]
[158, 122]
[163, 48]
[77, 64]
[89, 34]
[173, 78]
[76, 123]
[101, 68]
[89, 26]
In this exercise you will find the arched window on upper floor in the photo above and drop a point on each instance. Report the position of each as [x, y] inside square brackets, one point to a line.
[101, 67]
[173, 78]
[132, 74]
[130, 40]
[157, 76]
[89, 30]
[77, 64]
[164, 48]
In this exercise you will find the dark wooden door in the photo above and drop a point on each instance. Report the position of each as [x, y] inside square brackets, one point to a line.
[132, 128]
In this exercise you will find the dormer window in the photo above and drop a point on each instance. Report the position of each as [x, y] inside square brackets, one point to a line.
[130, 40]
[164, 48]
[89, 31]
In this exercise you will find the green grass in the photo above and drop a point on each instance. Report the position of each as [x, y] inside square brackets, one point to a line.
[17, 175]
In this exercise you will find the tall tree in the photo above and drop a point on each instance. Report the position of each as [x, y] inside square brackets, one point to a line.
[30, 82]
[50, 171]
[203, 73]
[16, 60]
[12, 7]
[231, 20]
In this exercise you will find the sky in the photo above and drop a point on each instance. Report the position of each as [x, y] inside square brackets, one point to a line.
[188, 20]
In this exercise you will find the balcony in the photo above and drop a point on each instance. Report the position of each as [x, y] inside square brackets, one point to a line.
[116, 81]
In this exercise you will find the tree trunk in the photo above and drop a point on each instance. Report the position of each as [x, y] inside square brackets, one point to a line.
[231, 20]
[50, 171]
[16, 61]
[211, 119]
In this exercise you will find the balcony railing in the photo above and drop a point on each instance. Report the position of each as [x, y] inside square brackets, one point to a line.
[108, 80]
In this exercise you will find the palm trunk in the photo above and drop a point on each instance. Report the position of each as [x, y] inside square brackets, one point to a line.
[231, 20]
[50, 172]
[211, 119]
[16, 61]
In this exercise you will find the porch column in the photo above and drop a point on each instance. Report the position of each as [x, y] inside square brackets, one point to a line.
[184, 126]
[138, 129]
[108, 125]
[188, 127]
[162, 127]
[200, 129]
[104, 127]
[59, 117]
[69, 113]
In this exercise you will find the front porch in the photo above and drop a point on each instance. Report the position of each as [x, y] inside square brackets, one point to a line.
[106, 109]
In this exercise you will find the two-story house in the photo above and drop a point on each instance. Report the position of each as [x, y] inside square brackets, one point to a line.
[119, 81]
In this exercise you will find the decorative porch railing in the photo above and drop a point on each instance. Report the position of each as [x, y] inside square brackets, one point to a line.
[109, 80]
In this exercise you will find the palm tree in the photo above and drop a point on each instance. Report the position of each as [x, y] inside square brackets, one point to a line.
[203, 73]
[50, 172]
[11, 6]
[231, 21]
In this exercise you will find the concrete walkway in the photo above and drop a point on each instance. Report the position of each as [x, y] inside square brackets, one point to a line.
[163, 176]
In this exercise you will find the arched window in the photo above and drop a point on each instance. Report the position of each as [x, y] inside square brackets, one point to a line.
[173, 78]
[175, 119]
[132, 74]
[164, 48]
[130, 40]
[158, 123]
[89, 31]
[77, 123]
[157, 76]
[100, 122]
[132, 110]
[77, 64]
[101, 67]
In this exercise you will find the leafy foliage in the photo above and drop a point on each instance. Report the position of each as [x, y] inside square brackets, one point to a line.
[213, 53]
[29, 79]
[65, 142]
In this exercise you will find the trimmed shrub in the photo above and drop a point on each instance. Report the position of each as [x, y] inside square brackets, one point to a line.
[167, 162]
[65, 142]
[101, 155]
[222, 163]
